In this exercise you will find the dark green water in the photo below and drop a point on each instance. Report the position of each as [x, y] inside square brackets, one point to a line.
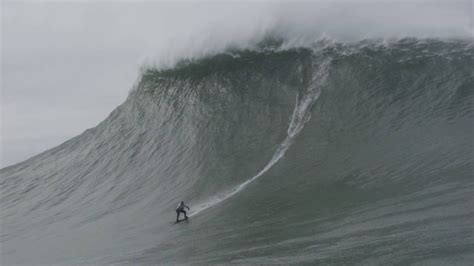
[332, 154]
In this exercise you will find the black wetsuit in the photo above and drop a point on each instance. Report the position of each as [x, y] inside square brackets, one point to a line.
[179, 210]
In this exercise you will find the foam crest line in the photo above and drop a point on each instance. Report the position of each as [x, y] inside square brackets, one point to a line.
[301, 114]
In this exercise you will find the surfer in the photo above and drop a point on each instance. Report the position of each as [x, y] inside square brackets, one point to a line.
[180, 209]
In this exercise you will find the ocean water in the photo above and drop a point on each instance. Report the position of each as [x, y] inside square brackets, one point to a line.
[333, 153]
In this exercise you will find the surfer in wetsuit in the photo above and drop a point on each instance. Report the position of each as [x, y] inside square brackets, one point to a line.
[180, 209]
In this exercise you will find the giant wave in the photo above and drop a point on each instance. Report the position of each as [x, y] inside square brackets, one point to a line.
[329, 153]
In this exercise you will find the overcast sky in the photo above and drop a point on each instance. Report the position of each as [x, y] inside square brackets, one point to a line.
[66, 65]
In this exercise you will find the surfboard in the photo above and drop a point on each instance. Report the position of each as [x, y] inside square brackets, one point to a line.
[182, 220]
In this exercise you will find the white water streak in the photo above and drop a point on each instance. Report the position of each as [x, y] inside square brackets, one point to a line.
[301, 115]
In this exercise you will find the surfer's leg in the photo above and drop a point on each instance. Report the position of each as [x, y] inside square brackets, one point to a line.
[185, 216]
[177, 216]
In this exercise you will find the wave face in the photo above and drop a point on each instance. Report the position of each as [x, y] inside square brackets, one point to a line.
[333, 153]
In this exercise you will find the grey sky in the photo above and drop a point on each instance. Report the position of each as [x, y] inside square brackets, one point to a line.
[67, 65]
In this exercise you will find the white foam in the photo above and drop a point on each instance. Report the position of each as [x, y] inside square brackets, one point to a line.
[301, 114]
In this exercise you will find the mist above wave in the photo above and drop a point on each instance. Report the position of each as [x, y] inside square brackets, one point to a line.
[212, 28]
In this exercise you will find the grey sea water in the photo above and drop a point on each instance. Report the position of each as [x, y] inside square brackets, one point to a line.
[334, 153]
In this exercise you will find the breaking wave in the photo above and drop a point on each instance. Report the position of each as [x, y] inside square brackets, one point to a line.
[329, 153]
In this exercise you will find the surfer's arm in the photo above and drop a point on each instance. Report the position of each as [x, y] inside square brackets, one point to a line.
[187, 207]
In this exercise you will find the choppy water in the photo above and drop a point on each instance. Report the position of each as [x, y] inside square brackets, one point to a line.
[336, 153]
